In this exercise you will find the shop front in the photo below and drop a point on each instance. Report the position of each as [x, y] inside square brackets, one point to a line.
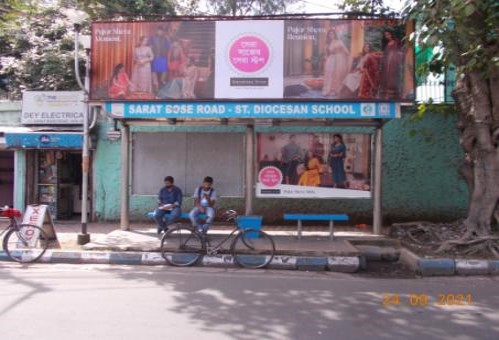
[6, 177]
[48, 152]
[50, 170]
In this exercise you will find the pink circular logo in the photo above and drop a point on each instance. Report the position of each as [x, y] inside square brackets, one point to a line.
[270, 176]
[249, 54]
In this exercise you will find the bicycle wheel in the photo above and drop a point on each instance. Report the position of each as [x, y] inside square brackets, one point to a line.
[253, 249]
[182, 246]
[25, 244]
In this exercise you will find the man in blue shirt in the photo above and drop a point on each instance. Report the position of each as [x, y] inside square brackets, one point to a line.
[170, 203]
[204, 203]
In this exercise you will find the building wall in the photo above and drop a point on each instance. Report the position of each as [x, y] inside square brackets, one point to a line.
[420, 179]
[10, 113]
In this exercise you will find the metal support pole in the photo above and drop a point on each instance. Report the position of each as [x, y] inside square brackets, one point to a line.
[84, 237]
[125, 131]
[250, 173]
[378, 169]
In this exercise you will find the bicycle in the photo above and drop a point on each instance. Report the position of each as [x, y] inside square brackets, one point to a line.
[24, 243]
[183, 245]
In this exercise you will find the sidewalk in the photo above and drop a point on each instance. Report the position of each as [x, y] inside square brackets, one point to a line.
[351, 250]
[140, 245]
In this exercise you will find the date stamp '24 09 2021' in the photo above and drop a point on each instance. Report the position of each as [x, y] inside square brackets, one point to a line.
[422, 300]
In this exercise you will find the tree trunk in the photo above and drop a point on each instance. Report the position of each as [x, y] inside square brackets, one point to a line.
[479, 126]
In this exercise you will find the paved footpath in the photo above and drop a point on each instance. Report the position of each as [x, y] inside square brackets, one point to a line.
[346, 253]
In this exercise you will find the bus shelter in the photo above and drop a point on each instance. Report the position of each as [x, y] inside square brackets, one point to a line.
[202, 75]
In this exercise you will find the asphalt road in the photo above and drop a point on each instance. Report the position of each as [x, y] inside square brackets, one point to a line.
[141, 302]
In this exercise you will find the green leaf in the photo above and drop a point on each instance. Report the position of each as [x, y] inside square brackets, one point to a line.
[413, 132]
[469, 9]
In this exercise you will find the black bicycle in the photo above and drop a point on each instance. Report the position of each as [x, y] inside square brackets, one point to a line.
[183, 246]
[23, 243]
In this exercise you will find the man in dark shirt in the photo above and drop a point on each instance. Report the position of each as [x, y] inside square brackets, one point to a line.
[291, 157]
[170, 203]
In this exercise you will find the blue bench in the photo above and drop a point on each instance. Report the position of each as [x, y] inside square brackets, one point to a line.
[316, 217]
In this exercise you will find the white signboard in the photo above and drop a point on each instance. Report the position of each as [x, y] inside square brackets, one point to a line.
[53, 107]
[250, 59]
[39, 216]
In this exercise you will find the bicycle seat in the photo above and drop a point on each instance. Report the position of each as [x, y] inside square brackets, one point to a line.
[10, 212]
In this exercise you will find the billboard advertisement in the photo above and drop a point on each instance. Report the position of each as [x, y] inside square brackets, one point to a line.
[314, 165]
[254, 60]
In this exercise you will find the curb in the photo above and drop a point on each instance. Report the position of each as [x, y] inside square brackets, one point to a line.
[437, 267]
[472, 267]
[346, 264]
[448, 267]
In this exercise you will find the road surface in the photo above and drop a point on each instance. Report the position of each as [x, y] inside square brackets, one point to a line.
[59, 301]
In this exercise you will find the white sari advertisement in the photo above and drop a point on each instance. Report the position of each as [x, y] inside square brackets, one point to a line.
[314, 165]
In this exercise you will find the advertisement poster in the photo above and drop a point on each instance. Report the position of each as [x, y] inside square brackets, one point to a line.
[161, 60]
[249, 64]
[348, 60]
[291, 60]
[314, 165]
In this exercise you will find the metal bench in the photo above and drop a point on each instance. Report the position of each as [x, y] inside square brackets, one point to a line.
[316, 217]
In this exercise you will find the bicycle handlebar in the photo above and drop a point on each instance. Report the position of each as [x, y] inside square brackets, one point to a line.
[230, 215]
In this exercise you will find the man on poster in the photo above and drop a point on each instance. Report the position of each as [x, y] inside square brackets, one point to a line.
[291, 156]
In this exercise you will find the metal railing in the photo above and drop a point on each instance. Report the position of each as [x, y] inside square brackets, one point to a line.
[438, 91]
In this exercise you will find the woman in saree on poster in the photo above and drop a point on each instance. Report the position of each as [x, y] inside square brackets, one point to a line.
[337, 156]
[120, 85]
[141, 71]
[390, 83]
[363, 81]
[336, 65]
[313, 169]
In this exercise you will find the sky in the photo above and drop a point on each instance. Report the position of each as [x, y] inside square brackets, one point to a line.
[324, 6]
[319, 6]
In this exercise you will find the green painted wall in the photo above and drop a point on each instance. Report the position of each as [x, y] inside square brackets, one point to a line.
[20, 188]
[420, 173]
[420, 179]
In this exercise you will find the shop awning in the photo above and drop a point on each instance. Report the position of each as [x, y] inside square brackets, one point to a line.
[27, 138]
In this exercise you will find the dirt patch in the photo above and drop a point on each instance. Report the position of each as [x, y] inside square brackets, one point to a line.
[383, 269]
[424, 239]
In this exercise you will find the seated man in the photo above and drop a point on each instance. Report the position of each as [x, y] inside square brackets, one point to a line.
[170, 202]
[204, 202]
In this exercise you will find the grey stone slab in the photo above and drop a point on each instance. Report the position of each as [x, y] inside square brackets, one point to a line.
[283, 262]
[65, 257]
[472, 267]
[311, 263]
[97, 257]
[343, 264]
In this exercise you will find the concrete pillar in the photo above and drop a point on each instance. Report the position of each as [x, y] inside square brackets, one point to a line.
[125, 174]
[250, 169]
[378, 170]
